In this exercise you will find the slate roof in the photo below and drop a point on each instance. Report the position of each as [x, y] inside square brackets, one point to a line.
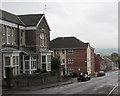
[30, 19]
[9, 49]
[10, 17]
[67, 43]
[25, 20]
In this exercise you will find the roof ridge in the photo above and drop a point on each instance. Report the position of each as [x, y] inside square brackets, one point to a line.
[30, 14]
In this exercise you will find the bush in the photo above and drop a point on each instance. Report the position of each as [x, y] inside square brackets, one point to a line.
[40, 71]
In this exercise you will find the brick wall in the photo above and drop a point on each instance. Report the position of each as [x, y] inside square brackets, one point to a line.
[80, 60]
[97, 63]
[34, 80]
[92, 61]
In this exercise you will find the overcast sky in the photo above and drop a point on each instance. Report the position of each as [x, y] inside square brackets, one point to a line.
[93, 22]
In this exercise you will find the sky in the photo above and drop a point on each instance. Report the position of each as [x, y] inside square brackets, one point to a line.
[94, 21]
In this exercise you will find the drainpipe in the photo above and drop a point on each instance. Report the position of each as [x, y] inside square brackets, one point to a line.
[18, 37]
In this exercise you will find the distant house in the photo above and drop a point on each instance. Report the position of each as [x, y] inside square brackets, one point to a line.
[25, 43]
[110, 65]
[100, 63]
[76, 56]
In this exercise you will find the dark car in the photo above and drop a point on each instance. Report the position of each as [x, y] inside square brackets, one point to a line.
[74, 75]
[83, 77]
[101, 73]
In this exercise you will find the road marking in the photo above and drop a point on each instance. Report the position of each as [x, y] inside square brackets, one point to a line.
[112, 90]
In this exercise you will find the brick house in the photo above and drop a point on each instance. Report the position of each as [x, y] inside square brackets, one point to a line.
[76, 56]
[100, 63]
[25, 43]
[97, 59]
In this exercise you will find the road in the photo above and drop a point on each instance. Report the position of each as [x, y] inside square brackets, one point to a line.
[98, 85]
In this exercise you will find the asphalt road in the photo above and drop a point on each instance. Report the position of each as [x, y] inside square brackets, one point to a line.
[98, 85]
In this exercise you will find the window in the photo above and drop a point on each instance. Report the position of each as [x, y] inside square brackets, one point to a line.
[34, 62]
[63, 52]
[56, 52]
[43, 39]
[26, 64]
[3, 35]
[49, 66]
[44, 62]
[63, 60]
[22, 39]
[43, 58]
[7, 61]
[26, 57]
[70, 61]
[13, 36]
[70, 51]
[15, 60]
[70, 70]
[9, 39]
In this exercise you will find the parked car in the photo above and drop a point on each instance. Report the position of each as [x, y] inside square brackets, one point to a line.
[83, 77]
[101, 73]
[74, 75]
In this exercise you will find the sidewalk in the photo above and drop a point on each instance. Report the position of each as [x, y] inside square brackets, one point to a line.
[36, 87]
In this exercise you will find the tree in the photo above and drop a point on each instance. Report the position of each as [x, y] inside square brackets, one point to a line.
[55, 63]
[114, 55]
[115, 58]
[55, 66]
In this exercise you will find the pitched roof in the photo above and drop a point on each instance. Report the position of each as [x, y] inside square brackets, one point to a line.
[10, 17]
[68, 43]
[30, 19]
[26, 20]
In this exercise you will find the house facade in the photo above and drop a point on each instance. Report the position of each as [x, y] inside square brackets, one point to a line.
[102, 63]
[25, 43]
[76, 56]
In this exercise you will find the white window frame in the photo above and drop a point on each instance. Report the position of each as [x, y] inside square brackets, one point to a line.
[3, 35]
[12, 34]
[33, 63]
[70, 61]
[70, 51]
[22, 42]
[70, 70]
[8, 34]
[43, 39]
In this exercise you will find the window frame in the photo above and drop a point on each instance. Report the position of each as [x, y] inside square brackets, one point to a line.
[70, 61]
[8, 35]
[70, 51]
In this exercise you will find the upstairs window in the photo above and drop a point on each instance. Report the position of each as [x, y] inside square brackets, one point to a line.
[14, 33]
[3, 35]
[43, 39]
[69, 51]
[22, 37]
[63, 60]
[70, 61]
[63, 52]
[9, 38]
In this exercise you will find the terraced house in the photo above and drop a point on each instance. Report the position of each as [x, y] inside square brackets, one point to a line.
[75, 55]
[25, 43]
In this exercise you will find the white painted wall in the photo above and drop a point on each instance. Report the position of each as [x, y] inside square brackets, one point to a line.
[88, 60]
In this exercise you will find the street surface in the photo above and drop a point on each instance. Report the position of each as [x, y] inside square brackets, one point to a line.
[97, 85]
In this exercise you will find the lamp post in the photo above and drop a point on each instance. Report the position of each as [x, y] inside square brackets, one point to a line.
[79, 70]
